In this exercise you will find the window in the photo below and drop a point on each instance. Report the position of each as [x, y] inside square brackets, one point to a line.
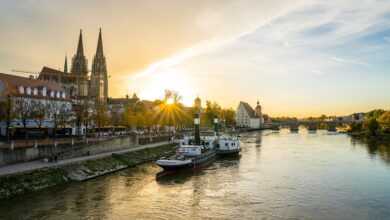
[63, 94]
[35, 91]
[52, 93]
[28, 90]
[44, 91]
[21, 90]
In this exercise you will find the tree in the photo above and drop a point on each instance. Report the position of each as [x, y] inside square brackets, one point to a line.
[7, 113]
[372, 127]
[101, 117]
[374, 113]
[212, 109]
[23, 109]
[170, 111]
[39, 112]
[228, 115]
[384, 121]
[356, 127]
[115, 116]
[58, 113]
[80, 112]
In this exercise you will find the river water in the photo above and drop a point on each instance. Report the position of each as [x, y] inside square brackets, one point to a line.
[280, 175]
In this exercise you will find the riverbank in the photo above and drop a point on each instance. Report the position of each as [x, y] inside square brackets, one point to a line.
[363, 135]
[18, 183]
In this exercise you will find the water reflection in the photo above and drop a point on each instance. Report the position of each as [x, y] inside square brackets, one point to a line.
[375, 148]
[280, 175]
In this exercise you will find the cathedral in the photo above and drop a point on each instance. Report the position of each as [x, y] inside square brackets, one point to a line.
[77, 82]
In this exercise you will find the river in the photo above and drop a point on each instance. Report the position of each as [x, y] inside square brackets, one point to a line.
[280, 175]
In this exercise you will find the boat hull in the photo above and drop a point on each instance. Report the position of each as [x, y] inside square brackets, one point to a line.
[194, 166]
[229, 153]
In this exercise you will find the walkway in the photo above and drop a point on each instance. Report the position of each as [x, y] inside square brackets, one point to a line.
[38, 164]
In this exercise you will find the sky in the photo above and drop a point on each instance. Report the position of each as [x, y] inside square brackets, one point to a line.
[298, 58]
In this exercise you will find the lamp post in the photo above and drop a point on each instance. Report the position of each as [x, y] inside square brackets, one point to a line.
[197, 128]
[216, 125]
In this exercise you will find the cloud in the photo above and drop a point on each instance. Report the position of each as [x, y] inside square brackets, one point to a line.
[386, 39]
[343, 60]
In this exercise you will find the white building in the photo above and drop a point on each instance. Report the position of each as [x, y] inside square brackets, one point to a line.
[247, 117]
[28, 97]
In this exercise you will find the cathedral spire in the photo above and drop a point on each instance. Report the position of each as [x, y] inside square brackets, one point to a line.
[99, 49]
[66, 64]
[80, 49]
[99, 76]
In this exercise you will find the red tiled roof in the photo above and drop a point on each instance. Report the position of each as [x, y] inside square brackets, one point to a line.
[15, 81]
[12, 83]
[249, 110]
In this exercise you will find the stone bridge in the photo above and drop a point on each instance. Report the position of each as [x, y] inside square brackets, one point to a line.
[310, 125]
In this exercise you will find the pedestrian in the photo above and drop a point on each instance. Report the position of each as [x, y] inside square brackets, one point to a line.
[55, 158]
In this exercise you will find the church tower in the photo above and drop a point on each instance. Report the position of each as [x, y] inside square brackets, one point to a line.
[258, 112]
[79, 69]
[99, 77]
[66, 64]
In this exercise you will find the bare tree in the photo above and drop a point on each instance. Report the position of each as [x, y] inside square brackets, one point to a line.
[100, 115]
[23, 109]
[80, 111]
[7, 113]
[39, 111]
[58, 113]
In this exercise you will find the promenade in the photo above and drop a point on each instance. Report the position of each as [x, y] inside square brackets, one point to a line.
[39, 164]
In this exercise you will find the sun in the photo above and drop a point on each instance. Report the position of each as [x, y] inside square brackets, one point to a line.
[170, 101]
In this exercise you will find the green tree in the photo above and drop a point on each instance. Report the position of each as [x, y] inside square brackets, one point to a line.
[384, 121]
[374, 114]
[372, 127]
[212, 109]
[228, 115]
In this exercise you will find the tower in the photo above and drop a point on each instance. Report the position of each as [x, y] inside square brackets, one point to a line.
[66, 64]
[99, 77]
[258, 112]
[79, 69]
[198, 103]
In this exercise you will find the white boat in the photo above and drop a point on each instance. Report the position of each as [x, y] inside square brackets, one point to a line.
[228, 145]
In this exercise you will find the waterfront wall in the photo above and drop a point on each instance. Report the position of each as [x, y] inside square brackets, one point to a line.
[17, 155]
[69, 150]
[20, 183]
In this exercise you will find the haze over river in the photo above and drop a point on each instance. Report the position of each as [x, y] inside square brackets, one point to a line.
[280, 175]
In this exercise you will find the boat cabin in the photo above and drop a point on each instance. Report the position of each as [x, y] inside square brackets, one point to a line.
[190, 150]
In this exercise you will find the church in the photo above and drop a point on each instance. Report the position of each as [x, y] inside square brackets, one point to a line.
[77, 82]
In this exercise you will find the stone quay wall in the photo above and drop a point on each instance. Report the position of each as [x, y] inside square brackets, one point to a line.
[72, 149]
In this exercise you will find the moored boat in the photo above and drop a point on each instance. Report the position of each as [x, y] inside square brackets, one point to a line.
[191, 154]
[229, 146]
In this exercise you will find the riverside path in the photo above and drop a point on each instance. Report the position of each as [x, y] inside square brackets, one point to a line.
[39, 164]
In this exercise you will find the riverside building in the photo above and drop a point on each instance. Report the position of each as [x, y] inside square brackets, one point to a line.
[247, 117]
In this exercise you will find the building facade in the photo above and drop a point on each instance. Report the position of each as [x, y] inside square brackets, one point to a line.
[37, 105]
[247, 117]
[78, 82]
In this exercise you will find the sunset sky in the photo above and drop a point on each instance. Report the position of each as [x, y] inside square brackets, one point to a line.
[299, 58]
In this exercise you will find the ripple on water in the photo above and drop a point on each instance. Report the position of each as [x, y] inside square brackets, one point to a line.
[279, 176]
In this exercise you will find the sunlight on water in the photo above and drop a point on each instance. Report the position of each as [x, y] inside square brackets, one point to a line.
[306, 175]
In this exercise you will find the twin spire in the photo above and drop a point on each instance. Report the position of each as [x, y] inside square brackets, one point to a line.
[79, 61]
[80, 50]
